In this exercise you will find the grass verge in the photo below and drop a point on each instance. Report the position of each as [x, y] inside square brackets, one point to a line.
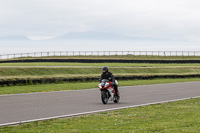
[100, 64]
[83, 85]
[173, 117]
[42, 71]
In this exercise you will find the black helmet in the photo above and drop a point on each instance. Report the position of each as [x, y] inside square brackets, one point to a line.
[105, 69]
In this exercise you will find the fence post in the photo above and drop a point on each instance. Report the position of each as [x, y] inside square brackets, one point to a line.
[41, 54]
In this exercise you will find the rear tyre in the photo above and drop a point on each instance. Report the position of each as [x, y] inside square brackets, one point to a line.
[104, 97]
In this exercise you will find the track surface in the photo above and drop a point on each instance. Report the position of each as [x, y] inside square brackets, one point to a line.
[22, 107]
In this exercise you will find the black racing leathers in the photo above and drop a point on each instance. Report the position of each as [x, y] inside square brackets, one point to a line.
[109, 76]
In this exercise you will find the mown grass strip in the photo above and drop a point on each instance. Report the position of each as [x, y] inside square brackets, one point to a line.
[172, 117]
[8, 81]
[82, 85]
[100, 64]
[34, 75]
[33, 71]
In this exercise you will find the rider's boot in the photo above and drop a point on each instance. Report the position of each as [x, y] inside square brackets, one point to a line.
[116, 90]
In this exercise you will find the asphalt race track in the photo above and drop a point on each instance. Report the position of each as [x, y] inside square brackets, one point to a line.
[35, 106]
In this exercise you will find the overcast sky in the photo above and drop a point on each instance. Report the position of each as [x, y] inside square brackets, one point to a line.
[177, 19]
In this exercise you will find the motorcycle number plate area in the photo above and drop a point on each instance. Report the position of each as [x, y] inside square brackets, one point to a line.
[110, 90]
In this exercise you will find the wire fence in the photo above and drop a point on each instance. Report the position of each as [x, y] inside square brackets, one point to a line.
[99, 53]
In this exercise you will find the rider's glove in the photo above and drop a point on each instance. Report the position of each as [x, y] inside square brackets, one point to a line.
[112, 84]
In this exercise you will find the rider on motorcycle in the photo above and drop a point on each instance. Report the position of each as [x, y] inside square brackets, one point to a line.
[109, 76]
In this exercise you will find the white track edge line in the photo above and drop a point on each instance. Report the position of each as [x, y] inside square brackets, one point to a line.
[97, 111]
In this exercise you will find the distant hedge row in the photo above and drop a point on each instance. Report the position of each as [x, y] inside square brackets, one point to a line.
[100, 61]
[13, 82]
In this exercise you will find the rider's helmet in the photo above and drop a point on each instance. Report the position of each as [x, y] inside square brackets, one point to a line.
[105, 69]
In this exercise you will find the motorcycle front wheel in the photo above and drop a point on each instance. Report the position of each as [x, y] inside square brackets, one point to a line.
[104, 96]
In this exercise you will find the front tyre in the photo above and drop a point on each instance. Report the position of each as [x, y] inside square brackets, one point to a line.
[104, 96]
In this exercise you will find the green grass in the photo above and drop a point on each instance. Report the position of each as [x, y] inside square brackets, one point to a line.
[128, 57]
[82, 85]
[174, 117]
[14, 73]
[100, 64]
[42, 71]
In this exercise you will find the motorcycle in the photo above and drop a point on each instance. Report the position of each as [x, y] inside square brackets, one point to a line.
[108, 92]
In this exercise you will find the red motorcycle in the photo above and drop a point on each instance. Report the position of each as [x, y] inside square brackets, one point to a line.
[108, 92]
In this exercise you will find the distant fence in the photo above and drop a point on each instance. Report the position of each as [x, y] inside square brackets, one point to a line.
[100, 53]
